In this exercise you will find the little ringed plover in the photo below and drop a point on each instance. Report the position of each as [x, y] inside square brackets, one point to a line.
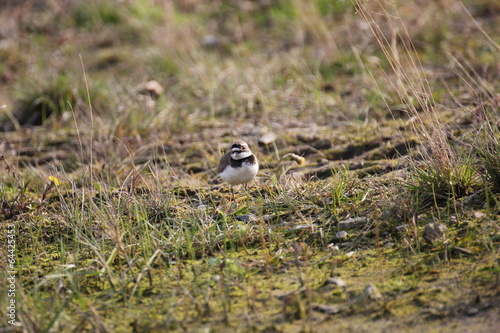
[238, 166]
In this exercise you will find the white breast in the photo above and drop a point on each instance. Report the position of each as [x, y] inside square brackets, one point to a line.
[241, 175]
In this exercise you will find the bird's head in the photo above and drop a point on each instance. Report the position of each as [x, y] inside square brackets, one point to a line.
[240, 150]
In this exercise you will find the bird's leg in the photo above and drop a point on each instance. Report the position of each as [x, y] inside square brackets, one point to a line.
[232, 193]
[245, 186]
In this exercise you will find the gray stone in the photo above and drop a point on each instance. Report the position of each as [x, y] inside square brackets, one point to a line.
[247, 218]
[327, 308]
[341, 235]
[350, 254]
[151, 88]
[304, 226]
[371, 292]
[336, 282]
[402, 227]
[267, 138]
[472, 311]
[434, 231]
[210, 41]
[353, 222]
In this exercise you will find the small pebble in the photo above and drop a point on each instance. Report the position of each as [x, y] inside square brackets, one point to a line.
[402, 227]
[434, 231]
[472, 311]
[267, 138]
[151, 88]
[326, 308]
[371, 292]
[333, 248]
[353, 222]
[341, 235]
[479, 215]
[304, 226]
[336, 281]
[247, 218]
[210, 41]
[350, 254]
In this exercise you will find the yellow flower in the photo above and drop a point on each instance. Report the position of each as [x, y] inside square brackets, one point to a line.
[55, 180]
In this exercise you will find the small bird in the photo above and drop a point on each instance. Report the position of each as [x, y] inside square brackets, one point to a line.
[238, 166]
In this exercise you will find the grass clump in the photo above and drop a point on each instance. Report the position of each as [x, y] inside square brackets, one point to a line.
[53, 98]
[441, 170]
[37, 103]
[146, 12]
[446, 177]
[487, 148]
[335, 8]
[93, 14]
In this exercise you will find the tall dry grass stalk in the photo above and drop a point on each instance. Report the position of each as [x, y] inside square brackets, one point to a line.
[409, 80]
[445, 170]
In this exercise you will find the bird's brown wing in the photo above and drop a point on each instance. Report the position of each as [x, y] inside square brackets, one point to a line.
[224, 161]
